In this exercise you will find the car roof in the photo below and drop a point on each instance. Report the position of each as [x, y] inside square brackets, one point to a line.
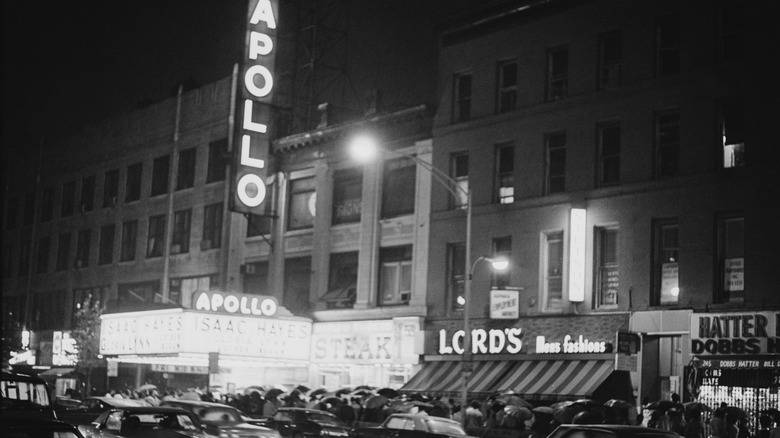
[119, 402]
[306, 410]
[153, 410]
[618, 428]
[199, 403]
[21, 378]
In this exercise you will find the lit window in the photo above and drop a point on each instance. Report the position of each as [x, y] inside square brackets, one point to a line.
[502, 248]
[395, 276]
[303, 199]
[552, 268]
[607, 279]
[666, 269]
[732, 127]
[505, 173]
[459, 171]
[731, 258]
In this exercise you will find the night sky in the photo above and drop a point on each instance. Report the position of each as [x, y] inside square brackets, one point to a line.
[70, 63]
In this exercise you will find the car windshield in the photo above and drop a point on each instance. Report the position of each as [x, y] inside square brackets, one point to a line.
[19, 393]
[164, 420]
[445, 427]
[219, 414]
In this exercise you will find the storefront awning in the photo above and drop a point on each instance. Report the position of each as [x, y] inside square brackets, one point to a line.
[445, 378]
[557, 379]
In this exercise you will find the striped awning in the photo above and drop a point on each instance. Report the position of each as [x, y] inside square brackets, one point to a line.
[556, 379]
[445, 378]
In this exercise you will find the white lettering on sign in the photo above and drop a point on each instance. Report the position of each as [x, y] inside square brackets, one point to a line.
[570, 345]
[494, 341]
[374, 348]
[235, 303]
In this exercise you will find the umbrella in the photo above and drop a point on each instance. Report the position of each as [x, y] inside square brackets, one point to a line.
[388, 392]
[543, 410]
[617, 403]
[303, 389]
[588, 417]
[332, 400]
[375, 401]
[250, 389]
[146, 387]
[366, 387]
[519, 412]
[513, 400]
[696, 406]
[273, 393]
[342, 391]
[407, 405]
[564, 411]
[317, 392]
[662, 405]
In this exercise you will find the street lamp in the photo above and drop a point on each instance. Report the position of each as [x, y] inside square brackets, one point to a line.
[363, 148]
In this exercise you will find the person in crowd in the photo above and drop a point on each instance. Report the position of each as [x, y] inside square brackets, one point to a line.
[718, 422]
[774, 431]
[730, 429]
[742, 428]
[270, 406]
[474, 417]
[654, 422]
[694, 428]
[764, 426]
[676, 421]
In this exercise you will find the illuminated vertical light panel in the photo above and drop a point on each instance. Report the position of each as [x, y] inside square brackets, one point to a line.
[577, 232]
[255, 85]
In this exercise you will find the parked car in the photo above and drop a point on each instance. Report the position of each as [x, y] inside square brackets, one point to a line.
[305, 423]
[223, 420]
[412, 426]
[147, 421]
[25, 397]
[37, 428]
[608, 431]
[89, 408]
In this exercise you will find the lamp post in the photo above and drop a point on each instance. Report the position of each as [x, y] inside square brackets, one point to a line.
[364, 148]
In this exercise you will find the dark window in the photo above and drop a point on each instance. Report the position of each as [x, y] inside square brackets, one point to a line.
[347, 195]
[24, 258]
[29, 209]
[732, 127]
[667, 144]
[82, 248]
[502, 248]
[666, 262]
[256, 278]
[610, 60]
[155, 240]
[258, 225]
[47, 205]
[212, 227]
[342, 282]
[395, 275]
[44, 246]
[110, 188]
[63, 251]
[555, 162]
[398, 187]
[507, 86]
[161, 168]
[181, 232]
[11, 216]
[459, 171]
[130, 294]
[456, 264]
[106, 253]
[216, 166]
[607, 273]
[303, 198]
[133, 186]
[297, 285]
[608, 154]
[185, 177]
[667, 33]
[88, 194]
[68, 199]
[557, 73]
[462, 97]
[505, 173]
[129, 236]
[732, 31]
[731, 258]
[47, 310]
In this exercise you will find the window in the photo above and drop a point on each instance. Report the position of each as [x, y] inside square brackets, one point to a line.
[47, 310]
[607, 279]
[347, 195]
[462, 97]
[732, 127]
[505, 173]
[395, 275]
[63, 251]
[24, 258]
[68, 199]
[557, 73]
[216, 166]
[133, 184]
[297, 285]
[667, 41]
[212, 227]
[184, 287]
[731, 258]
[502, 248]
[303, 199]
[398, 187]
[82, 248]
[507, 86]
[552, 269]
[732, 31]
[459, 171]
[129, 294]
[258, 225]
[181, 232]
[44, 246]
[666, 255]
[160, 174]
[608, 154]
[47, 205]
[185, 177]
[89, 296]
[555, 162]
[12, 213]
[129, 235]
[106, 252]
[456, 260]
[342, 284]
[667, 144]
[610, 71]
[256, 278]
[110, 188]
[156, 236]
[88, 194]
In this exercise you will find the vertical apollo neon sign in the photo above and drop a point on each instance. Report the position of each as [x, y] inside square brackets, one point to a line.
[255, 90]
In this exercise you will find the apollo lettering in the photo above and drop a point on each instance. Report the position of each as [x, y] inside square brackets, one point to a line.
[233, 303]
[494, 341]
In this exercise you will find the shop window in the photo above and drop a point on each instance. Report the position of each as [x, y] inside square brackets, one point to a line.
[667, 144]
[731, 258]
[502, 248]
[555, 169]
[155, 240]
[180, 243]
[24, 258]
[83, 242]
[161, 167]
[47, 310]
[607, 268]
[505, 173]
[133, 294]
[608, 150]
[110, 188]
[667, 46]
[63, 251]
[395, 275]
[732, 128]
[303, 199]
[398, 187]
[212, 227]
[552, 269]
[456, 260]
[42, 261]
[29, 209]
[216, 165]
[610, 70]
[342, 282]
[68, 199]
[182, 289]
[129, 235]
[507, 86]
[732, 30]
[106, 250]
[666, 262]
[47, 204]
[459, 171]
[297, 285]
[133, 183]
[88, 194]
[461, 110]
[12, 213]
[347, 195]
[185, 175]
[557, 73]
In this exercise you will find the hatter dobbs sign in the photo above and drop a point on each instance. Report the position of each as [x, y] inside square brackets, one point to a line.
[748, 333]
